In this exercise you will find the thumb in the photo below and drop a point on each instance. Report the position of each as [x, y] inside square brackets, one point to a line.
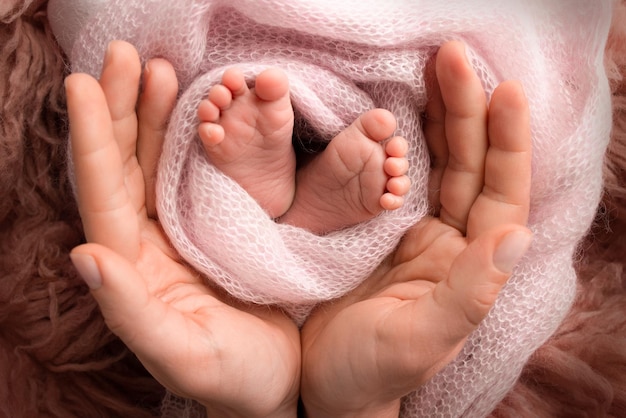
[419, 336]
[443, 318]
[476, 277]
[121, 292]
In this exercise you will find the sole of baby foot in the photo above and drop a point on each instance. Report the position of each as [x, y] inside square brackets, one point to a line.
[361, 173]
[246, 133]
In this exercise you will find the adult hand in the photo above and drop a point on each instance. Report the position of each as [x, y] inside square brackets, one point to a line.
[361, 354]
[234, 359]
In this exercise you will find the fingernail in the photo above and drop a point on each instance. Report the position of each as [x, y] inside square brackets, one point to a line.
[88, 270]
[511, 249]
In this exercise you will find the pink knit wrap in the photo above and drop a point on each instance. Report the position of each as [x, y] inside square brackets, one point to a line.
[343, 58]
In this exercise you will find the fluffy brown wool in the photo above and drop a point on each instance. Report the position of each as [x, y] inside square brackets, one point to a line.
[57, 358]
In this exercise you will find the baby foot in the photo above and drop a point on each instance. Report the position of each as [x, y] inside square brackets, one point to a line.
[246, 134]
[354, 178]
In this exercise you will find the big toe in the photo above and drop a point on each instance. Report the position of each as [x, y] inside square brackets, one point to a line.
[378, 124]
[272, 84]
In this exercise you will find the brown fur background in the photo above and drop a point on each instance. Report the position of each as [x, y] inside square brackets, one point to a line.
[57, 359]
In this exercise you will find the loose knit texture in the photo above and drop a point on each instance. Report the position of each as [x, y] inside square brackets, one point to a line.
[343, 59]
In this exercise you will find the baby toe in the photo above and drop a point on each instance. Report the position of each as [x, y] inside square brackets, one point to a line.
[221, 96]
[235, 81]
[208, 111]
[399, 186]
[211, 134]
[390, 201]
[397, 147]
[396, 166]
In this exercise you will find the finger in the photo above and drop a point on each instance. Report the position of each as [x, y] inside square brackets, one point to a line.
[466, 134]
[155, 106]
[108, 215]
[505, 197]
[120, 82]
[435, 134]
[444, 318]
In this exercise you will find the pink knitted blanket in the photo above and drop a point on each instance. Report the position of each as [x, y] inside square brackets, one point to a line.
[343, 58]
